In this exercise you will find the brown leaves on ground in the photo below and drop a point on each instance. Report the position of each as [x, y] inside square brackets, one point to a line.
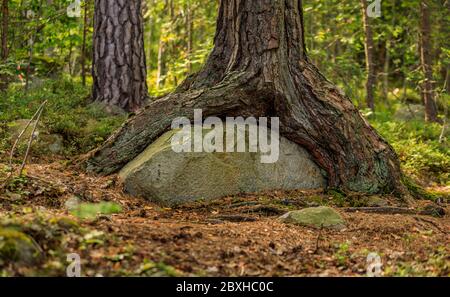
[234, 236]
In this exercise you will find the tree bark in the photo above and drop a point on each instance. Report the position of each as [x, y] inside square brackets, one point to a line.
[161, 70]
[83, 46]
[189, 23]
[427, 63]
[370, 54]
[5, 25]
[119, 66]
[4, 43]
[149, 38]
[259, 67]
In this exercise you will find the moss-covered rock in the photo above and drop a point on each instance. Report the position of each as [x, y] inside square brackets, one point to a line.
[17, 247]
[318, 217]
[44, 142]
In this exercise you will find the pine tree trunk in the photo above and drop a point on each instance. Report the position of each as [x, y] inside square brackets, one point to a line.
[4, 43]
[119, 69]
[161, 71]
[189, 34]
[150, 37]
[5, 25]
[83, 46]
[427, 63]
[370, 54]
[259, 67]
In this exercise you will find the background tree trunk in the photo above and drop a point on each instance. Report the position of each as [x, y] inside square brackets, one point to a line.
[189, 23]
[259, 67]
[425, 53]
[370, 54]
[83, 46]
[161, 70]
[119, 69]
[4, 43]
[5, 23]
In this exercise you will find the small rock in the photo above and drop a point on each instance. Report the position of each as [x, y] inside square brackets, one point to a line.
[72, 203]
[315, 217]
[375, 201]
[18, 247]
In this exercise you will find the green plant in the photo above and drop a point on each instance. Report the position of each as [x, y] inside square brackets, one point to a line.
[91, 210]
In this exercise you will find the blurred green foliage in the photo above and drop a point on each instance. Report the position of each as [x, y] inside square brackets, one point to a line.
[83, 125]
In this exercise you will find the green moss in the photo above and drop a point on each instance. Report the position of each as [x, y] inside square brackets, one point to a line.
[315, 217]
[67, 224]
[68, 113]
[339, 198]
[149, 268]
[417, 191]
[16, 246]
[91, 210]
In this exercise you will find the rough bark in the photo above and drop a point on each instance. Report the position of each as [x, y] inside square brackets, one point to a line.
[259, 67]
[370, 54]
[427, 63]
[5, 25]
[119, 69]
[189, 24]
[4, 43]
[83, 46]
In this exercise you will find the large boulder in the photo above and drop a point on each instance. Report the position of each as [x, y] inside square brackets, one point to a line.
[163, 176]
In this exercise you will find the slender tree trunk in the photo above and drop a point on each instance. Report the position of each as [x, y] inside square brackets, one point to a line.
[189, 34]
[386, 69]
[150, 37]
[247, 75]
[83, 46]
[4, 42]
[5, 25]
[161, 71]
[426, 58]
[370, 54]
[119, 69]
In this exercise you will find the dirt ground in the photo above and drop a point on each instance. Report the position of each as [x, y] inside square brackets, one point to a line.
[233, 236]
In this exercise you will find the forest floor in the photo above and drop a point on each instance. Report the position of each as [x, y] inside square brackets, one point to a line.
[234, 236]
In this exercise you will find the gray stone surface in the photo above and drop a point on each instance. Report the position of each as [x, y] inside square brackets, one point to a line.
[317, 217]
[163, 176]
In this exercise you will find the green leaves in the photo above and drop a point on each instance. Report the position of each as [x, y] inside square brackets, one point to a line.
[89, 211]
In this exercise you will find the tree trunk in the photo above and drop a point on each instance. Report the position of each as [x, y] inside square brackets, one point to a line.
[150, 37]
[4, 43]
[386, 70]
[426, 58]
[119, 69]
[189, 34]
[5, 25]
[370, 54]
[259, 67]
[161, 70]
[83, 46]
